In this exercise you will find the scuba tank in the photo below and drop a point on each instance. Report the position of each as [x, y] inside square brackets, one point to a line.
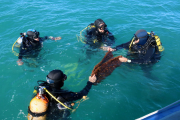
[20, 39]
[158, 42]
[38, 106]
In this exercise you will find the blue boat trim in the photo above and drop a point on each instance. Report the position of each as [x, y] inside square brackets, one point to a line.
[170, 112]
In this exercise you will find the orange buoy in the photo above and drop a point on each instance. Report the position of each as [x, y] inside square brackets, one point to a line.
[38, 105]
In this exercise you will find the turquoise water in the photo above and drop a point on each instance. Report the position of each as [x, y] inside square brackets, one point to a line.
[128, 93]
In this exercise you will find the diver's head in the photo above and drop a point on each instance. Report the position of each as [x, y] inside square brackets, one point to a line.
[142, 35]
[33, 34]
[56, 79]
[100, 25]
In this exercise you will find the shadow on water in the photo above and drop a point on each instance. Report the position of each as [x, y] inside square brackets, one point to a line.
[148, 68]
[33, 61]
[147, 71]
[88, 52]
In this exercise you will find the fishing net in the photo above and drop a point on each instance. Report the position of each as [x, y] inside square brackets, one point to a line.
[106, 66]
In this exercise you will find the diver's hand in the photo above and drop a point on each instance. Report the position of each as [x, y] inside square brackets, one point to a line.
[92, 79]
[135, 42]
[20, 62]
[123, 59]
[108, 49]
[54, 38]
[111, 49]
[57, 38]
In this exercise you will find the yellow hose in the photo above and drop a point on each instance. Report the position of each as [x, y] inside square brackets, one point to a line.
[56, 99]
[89, 26]
[131, 43]
[15, 53]
[81, 34]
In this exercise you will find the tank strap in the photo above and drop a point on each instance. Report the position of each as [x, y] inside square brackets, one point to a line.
[26, 41]
[36, 114]
[147, 44]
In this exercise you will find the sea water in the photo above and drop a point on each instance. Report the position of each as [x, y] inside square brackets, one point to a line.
[130, 92]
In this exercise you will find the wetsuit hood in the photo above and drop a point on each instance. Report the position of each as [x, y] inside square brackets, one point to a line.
[32, 34]
[98, 23]
[56, 78]
[142, 35]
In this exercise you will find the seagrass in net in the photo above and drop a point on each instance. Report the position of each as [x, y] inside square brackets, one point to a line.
[106, 66]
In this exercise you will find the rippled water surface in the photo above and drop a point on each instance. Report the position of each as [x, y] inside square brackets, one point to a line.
[130, 92]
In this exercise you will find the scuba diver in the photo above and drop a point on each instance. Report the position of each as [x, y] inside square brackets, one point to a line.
[31, 44]
[144, 48]
[97, 35]
[53, 102]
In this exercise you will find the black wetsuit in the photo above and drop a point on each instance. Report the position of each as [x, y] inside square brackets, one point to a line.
[30, 47]
[96, 39]
[141, 56]
[64, 96]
